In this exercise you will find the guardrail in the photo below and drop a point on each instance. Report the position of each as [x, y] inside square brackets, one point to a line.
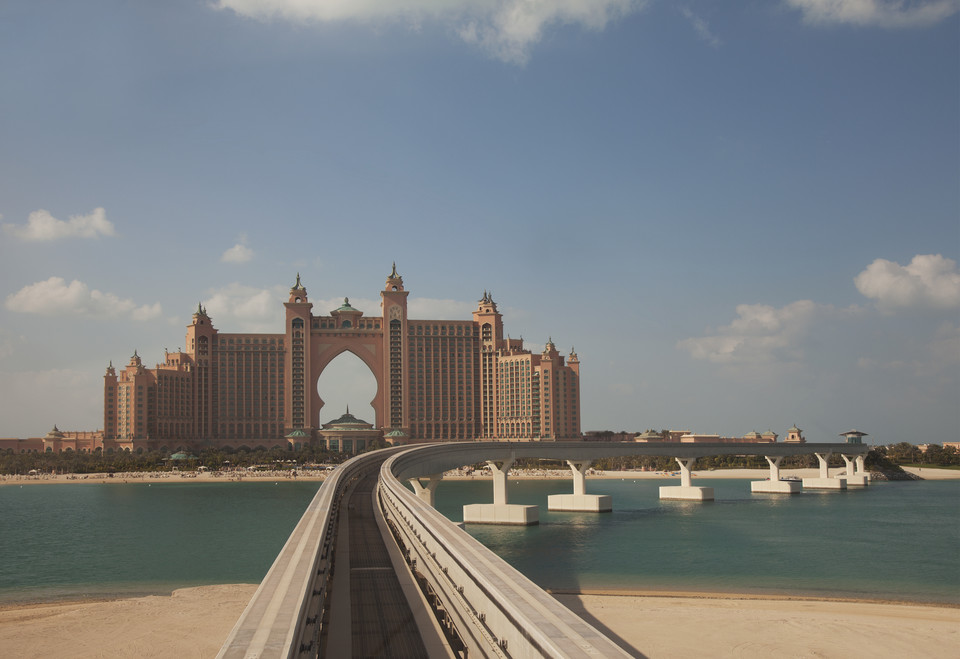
[285, 617]
[494, 610]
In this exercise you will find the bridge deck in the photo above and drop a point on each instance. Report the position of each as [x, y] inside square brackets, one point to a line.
[381, 621]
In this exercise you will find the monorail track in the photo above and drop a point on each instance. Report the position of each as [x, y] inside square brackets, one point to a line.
[365, 583]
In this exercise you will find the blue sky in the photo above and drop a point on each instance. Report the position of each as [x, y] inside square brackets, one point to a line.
[742, 215]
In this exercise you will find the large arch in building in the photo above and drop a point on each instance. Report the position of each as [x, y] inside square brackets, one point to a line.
[367, 351]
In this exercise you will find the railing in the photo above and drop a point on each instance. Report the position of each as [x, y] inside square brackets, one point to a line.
[285, 617]
[492, 609]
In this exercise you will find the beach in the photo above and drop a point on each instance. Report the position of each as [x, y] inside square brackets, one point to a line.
[194, 622]
[665, 624]
[926, 473]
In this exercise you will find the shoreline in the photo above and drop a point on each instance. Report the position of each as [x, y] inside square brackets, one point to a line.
[573, 592]
[924, 473]
[652, 624]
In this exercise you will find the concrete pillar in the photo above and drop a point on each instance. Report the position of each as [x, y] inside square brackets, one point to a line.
[848, 461]
[685, 480]
[774, 485]
[580, 501]
[426, 492]
[824, 468]
[579, 470]
[824, 482]
[500, 512]
[686, 489]
[861, 469]
[774, 467]
[855, 476]
[500, 480]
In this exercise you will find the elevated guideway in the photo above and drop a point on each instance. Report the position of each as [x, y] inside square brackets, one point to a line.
[432, 460]
[338, 589]
[335, 588]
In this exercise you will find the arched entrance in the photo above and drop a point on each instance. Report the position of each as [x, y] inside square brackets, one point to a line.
[346, 378]
[346, 381]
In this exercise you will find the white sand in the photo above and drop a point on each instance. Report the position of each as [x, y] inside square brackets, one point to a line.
[194, 622]
[934, 474]
[680, 627]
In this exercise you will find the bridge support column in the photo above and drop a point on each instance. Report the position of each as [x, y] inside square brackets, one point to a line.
[824, 482]
[500, 512]
[855, 471]
[861, 468]
[580, 501]
[426, 492]
[774, 484]
[686, 490]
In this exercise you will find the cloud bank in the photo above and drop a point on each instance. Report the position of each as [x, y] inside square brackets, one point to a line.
[506, 29]
[930, 281]
[760, 334]
[42, 226]
[55, 297]
[876, 13]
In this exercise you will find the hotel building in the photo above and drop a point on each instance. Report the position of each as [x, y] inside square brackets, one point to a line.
[437, 380]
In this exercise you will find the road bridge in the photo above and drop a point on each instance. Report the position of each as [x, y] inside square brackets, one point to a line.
[419, 585]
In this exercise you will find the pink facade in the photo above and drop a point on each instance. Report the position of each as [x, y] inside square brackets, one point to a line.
[437, 380]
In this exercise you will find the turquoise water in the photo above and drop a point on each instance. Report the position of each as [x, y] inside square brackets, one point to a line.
[889, 541]
[61, 541]
[898, 540]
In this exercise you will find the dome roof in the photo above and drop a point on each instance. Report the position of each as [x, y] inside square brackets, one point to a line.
[347, 422]
[346, 305]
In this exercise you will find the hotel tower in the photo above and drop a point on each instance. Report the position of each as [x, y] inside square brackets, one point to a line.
[437, 380]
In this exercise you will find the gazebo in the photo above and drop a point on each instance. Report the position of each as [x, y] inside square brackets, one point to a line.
[348, 434]
[854, 436]
[298, 439]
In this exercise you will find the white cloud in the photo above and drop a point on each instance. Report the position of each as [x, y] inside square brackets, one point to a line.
[929, 281]
[147, 312]
[876, 13]
[506, 29]
[239, 253]
[701, 27]
[55, 296]
[42, 226]
[239, 308]
[430, 308]
[760, 334]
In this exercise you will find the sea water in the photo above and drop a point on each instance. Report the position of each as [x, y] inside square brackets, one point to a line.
[896, 541]
[66, 540]
[888, 541]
